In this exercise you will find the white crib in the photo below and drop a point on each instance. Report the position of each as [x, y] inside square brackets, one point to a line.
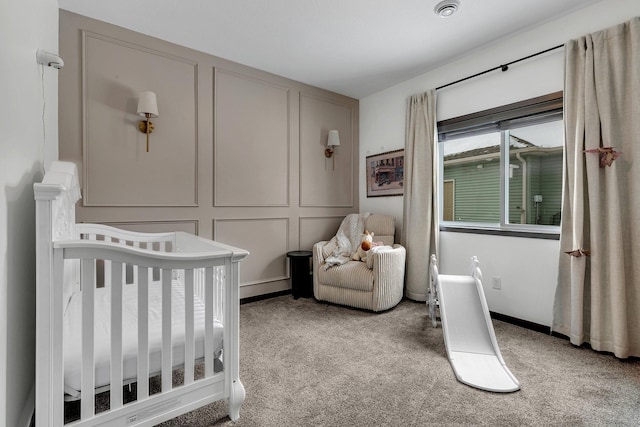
[115, 307]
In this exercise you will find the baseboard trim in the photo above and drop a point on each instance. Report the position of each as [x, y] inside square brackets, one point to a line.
[264, 296]
[522, 323]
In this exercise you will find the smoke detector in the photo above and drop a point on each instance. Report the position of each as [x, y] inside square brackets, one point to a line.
[446, 8]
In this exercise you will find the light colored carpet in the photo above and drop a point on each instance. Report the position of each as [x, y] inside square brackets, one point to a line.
[306, 363]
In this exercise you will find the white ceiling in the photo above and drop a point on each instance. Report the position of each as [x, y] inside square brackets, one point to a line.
[353, 47]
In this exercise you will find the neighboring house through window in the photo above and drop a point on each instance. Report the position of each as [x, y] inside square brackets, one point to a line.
[501, 169]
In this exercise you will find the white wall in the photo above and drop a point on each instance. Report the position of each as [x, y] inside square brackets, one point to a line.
[25, 26]
[528, 267]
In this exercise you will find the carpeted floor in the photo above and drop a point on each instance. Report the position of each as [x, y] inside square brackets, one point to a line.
[306, 363]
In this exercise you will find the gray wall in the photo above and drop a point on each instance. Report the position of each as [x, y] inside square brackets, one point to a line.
[28, 142]
[236, 155]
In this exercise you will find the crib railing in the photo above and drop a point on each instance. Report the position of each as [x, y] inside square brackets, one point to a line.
[157, 242]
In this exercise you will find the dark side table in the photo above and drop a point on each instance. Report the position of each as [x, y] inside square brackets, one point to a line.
[301, 273]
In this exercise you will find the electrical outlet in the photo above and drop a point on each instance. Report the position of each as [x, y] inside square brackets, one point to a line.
[497, 283]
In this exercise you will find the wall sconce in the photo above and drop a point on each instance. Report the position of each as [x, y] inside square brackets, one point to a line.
[333, 140]
[147, 107]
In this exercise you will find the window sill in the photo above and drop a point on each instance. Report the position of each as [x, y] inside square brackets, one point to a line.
[544, 232]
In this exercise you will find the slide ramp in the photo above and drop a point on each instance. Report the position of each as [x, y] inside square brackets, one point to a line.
[469, 337]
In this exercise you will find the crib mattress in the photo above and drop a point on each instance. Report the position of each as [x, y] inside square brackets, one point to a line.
[72, 338]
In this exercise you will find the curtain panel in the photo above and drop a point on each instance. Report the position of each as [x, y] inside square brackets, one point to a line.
[419, 231]
[598, 294]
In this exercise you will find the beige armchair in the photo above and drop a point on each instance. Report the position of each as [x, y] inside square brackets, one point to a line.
[377, 284]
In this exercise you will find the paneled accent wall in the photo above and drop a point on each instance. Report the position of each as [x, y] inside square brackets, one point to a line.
[251, 141]
[236, 154]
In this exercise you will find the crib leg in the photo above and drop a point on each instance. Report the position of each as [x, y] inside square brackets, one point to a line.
[236, 399]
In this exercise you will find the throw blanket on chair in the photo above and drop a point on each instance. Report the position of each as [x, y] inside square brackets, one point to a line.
[346, 240]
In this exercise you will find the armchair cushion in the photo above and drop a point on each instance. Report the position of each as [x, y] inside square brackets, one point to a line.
[383, 226]
[351, 275]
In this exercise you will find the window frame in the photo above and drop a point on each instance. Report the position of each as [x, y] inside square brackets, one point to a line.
[529, 112]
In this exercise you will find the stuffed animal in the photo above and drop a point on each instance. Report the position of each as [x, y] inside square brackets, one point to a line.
[366, 244]
[367, 238]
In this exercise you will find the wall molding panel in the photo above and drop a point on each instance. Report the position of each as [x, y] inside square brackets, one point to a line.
[117, 169]
[326, 182]
[254, 114]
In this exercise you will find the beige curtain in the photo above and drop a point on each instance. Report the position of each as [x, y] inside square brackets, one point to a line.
[598, 294]
[419, 233]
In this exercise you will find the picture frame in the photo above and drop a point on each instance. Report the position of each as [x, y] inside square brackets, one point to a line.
[385, 174]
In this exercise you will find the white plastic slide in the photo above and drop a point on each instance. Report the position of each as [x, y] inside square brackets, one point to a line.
[469, 337]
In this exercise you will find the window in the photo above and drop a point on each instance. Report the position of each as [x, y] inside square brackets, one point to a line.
[501, 169]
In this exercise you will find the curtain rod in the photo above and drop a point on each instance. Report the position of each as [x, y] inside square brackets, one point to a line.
[503, 67]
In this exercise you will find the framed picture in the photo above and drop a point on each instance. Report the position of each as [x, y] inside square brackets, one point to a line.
[385, 174]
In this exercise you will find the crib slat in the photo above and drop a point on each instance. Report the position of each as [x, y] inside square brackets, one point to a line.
[135, 268]
[87, 408]
[143, 333]
[220, 287]
[107, 264]
[116, 335]
[189, 335]
[199, 283]
[57, 357]
[166, 330]
[208, 321]
[107, 273]
[227, 333]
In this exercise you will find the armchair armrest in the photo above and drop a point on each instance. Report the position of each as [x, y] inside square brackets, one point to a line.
[318, 255]
[396, 253]
[388, 265]
[318, 259]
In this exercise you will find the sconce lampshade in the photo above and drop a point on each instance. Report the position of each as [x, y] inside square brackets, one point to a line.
[147, 104]
[334, 138]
